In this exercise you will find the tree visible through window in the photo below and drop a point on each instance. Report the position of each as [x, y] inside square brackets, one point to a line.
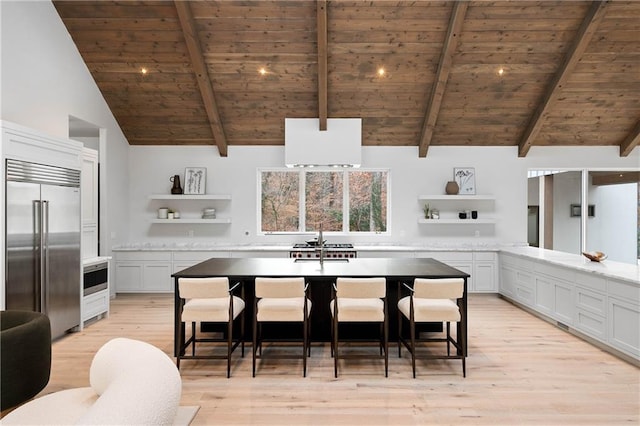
[340, 201]
[280, 201]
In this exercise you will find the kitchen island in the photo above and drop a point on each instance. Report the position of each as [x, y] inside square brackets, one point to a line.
[320, 276]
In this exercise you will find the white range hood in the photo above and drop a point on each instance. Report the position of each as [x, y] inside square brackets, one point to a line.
[305, 145]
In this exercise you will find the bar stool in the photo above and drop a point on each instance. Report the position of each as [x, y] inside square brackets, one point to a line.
[430, 300]
[279, 300]
[359, 300]
[210, 300]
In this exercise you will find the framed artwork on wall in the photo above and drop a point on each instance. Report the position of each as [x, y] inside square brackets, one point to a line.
[195, 179]
[465, 177]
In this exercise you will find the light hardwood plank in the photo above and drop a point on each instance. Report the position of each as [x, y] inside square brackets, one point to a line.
[520, 370]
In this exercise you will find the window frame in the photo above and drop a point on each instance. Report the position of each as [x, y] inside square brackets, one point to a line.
[302, 202]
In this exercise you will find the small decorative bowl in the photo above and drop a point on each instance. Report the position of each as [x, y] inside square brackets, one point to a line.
[594, 256]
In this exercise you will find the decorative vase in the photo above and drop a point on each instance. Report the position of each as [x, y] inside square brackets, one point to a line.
[452, 187]
[176, 189]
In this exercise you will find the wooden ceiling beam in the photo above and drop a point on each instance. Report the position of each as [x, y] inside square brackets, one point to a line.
[442, 75]
[579, 45]
[614, 178]
[202, 74]
[321, 12]
[631, 141]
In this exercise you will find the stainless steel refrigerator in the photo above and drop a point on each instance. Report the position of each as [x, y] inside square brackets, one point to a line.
[43, 242]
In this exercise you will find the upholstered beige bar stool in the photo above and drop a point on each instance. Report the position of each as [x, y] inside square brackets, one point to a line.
[279, 300]
[431, 300]
[210, 300]
[359, 300]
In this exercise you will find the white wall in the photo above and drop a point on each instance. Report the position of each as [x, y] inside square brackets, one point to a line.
[499, 172]
[237, 175]
[566, 228]
[613, 230]
[44, 80]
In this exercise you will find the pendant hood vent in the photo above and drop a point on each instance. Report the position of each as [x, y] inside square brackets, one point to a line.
[307, 146]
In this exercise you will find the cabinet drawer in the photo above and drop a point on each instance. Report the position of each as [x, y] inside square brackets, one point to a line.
[591, 324]
[95, 304]
[591, 301]
[524, 279]
[198, 256]
[554, 271]
[143, 255]
[487, 256]
[516, 262]
[525, 295]
[592, 281]
[624, 291]
[445, 256]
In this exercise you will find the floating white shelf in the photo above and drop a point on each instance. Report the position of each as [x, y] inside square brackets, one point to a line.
[190, 197]
[444, 197]
[184, 221]
[457, 221]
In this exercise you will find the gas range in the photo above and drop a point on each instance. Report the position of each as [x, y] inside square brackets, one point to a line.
[331, 251]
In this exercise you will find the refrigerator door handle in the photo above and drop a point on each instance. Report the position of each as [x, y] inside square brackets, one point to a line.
[38, 267]
[45, 244]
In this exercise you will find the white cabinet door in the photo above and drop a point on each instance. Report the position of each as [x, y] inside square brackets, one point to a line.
[484, 277]
[89, 201]
[157, 277]
[623, 315]
[128, 276]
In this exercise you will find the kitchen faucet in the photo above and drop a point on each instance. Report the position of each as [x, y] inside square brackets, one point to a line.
[321, 244]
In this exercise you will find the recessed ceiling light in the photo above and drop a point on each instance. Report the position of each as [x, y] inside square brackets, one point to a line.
[262, 71]
[501, 71]
[381, 72]
[143, 71]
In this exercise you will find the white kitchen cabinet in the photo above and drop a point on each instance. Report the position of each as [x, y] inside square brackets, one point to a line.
[516, 279]
[449, 206]
[482, 266]
[190, 208]
[143, 272]
[485, 272]
[554, 292]
[462, 260]
[89, 197]
[591, 311]
[604, 309]
[623, 315]
[96, 304]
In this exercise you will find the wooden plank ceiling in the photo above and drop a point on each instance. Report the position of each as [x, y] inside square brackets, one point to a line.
[487, 73]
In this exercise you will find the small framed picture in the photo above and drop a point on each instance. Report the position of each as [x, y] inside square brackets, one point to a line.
[466, 180]
[195, 179]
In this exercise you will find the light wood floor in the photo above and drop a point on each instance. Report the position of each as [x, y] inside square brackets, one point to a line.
[520, 370]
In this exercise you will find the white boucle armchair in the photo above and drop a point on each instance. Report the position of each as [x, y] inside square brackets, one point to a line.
[132, 383]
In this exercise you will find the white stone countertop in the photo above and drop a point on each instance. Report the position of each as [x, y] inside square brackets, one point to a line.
[90, 261]
[157, 246]
[607, 268]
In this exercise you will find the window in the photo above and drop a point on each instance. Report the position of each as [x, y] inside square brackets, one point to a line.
[339, 201]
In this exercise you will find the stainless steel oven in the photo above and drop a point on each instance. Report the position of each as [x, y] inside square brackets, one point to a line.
[95, 278]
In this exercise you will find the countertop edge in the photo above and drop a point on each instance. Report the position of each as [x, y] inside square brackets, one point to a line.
[608, 268]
